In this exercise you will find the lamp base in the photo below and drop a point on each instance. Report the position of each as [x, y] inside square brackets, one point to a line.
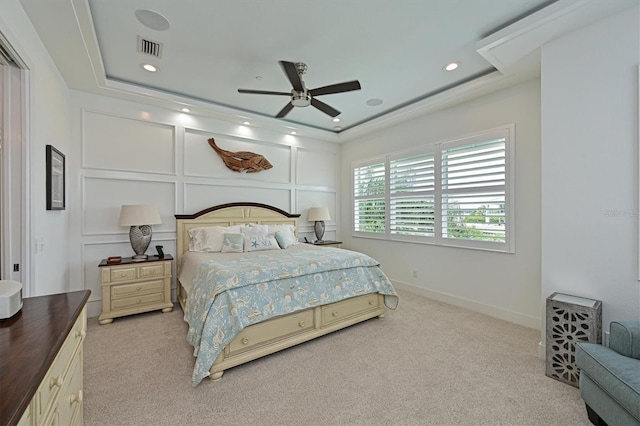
[139, 258]
[318, 227]
[140, 237]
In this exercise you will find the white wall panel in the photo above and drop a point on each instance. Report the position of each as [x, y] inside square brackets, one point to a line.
[201, 196]
[315, 168]
[110, 142]
[201, 160]
[307, 199]
[103, 198]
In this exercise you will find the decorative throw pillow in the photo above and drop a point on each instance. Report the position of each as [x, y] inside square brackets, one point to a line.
[287, 234]
[209, 238]
[233, 243]
[282, 240]
[255, 243]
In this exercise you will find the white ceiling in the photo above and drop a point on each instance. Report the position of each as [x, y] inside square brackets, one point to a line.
[396, 49]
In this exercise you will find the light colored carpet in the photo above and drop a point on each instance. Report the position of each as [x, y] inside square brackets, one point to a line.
[427, 363]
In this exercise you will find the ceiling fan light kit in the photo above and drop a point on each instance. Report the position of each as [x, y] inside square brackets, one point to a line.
[300, 96]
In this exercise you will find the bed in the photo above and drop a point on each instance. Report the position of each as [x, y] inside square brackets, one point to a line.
[241, 306]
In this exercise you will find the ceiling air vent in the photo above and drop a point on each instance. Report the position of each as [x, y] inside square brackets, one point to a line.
[149, 47]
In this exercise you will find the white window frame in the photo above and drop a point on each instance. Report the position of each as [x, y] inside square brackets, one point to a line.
[380, 235]
[507, 132]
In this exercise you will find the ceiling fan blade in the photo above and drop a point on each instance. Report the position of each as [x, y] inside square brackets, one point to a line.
[284, 111]
[263, 92]
[336, 88]
[325, 108]
[292, 74]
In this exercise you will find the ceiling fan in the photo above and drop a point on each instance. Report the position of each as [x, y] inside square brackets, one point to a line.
[300, 95]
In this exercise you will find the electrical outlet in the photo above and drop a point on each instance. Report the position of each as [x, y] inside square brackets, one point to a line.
[414, 274]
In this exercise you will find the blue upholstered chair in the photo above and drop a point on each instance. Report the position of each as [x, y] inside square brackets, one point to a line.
[610, 377]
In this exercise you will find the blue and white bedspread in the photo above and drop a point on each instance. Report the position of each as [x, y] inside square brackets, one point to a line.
[231, 294]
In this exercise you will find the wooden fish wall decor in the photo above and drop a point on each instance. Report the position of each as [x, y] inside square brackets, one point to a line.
[241, 161]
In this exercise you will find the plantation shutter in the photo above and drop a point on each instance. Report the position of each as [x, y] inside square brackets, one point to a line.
[412, 195]
[474, 191]
[369, 198]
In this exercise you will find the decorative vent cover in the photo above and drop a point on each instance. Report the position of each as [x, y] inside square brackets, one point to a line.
[149, 47]
[570, 320]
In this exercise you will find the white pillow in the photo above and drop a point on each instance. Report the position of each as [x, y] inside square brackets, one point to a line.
[287, 234]
[209, 238]
[257, 243]
[232, 243]
[254, 229]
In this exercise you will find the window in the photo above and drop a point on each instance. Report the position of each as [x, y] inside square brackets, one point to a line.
[454, 193]
[412, 195]
[369, 200]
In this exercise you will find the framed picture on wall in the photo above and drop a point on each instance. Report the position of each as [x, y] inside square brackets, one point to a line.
[55, 179]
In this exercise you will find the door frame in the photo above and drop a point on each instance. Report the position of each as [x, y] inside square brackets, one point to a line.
[15, 218]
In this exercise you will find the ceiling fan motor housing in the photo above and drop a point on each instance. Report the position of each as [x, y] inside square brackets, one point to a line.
[300, 99]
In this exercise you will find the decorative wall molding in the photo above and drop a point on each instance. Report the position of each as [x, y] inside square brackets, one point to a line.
[315, 167]
[120, 143]
[103, 197]
[198, 196]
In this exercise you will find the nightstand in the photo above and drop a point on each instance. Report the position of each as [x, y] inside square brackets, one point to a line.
[130, 287]
[327, 243]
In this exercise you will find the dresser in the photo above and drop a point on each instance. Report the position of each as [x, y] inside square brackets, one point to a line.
[131, 287]
[41, 356]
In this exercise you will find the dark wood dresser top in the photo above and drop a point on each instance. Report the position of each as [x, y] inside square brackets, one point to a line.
[29, 342]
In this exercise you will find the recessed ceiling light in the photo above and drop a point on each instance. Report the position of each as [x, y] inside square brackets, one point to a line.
[374, 102]
[337, 128]
[185, 110]
[294, 133]
[150, 68]
[152, 20]
[336, 120]
[451, 66]
[246, 123]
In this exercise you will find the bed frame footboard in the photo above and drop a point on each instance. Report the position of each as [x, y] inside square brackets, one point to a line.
[285, 331]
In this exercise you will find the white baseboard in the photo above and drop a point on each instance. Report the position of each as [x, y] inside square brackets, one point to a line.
[542, 351]
[94, 308]
[493, 311]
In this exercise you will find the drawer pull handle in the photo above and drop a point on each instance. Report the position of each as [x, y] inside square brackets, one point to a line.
[122, 274]
[55, 382]
[245, 341]
[334, 313]
[371, 302]
[301, 323]
[138, 288]
[152, 272]
[81, 333]
[76, 397]
[138, 301]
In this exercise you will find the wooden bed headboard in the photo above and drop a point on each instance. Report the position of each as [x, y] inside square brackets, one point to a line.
[227, 215]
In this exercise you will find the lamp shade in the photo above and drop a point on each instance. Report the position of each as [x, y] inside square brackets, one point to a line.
[318, 213]
[137, 215]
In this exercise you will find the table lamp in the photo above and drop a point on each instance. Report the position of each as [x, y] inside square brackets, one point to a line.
[139, 218]
[318, 215]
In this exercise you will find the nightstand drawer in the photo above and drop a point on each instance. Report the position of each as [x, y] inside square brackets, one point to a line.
[131, 302]
[123, 274]
[129, 290]
[151, 271]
